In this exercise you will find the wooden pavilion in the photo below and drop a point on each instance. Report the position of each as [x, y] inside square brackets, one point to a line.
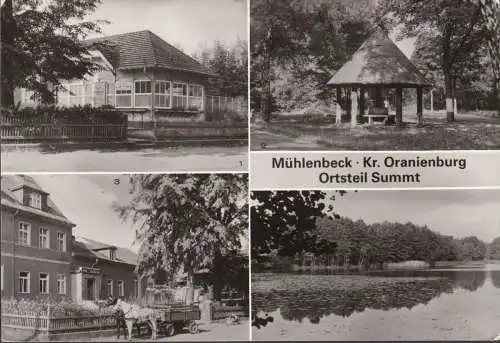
[377, 66]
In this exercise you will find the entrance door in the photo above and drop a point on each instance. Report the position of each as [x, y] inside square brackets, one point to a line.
[90, 289]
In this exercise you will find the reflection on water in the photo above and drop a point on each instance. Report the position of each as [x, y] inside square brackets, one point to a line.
[301, 296]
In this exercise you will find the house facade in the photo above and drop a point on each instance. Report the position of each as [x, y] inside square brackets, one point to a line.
[99, 270]
[143, 76]
[40, 257]
[36, 241]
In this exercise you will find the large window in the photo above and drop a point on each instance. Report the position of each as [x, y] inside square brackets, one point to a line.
[123, 94]
[142, 93]
[109, 285]
[121, 288]
[195, 97]
[36, 200]
[75, 94]
[162, 94]
[179, 96]
[24, 282]
[24, 235]
[61, 241]
[61, 284]
[43, 238]
[110, 93]
[44, 283]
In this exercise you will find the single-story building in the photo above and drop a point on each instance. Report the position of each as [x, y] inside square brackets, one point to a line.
[143, 76]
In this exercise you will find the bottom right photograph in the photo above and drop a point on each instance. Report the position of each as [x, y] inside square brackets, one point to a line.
[375, 265]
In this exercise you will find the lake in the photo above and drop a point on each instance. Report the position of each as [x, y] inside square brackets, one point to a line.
[437, 304]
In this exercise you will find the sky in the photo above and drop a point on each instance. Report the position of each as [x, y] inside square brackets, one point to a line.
[186, 24]
[460, 213]
[87, 200]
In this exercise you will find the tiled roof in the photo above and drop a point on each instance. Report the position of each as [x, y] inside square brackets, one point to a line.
[10, 183]
[90, 248]
[378, 62]
[137, 50]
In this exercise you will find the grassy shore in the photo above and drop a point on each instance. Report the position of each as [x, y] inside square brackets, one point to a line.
[469, 131]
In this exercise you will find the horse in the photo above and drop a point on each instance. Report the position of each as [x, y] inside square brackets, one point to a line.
[120, 319]
[135, 315]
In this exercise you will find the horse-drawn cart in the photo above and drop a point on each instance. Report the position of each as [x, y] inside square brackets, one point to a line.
[175, 314]
[176, 317]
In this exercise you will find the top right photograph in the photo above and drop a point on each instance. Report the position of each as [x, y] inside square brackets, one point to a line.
[375, 75]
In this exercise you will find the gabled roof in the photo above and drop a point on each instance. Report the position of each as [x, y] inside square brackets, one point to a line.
[90, 248]
[144, 49]
[379, 62]
[11, 198]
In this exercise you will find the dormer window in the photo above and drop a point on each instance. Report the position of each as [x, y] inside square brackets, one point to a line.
[36, 200]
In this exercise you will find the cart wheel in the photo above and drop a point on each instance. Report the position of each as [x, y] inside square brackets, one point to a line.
[170, 330]
[193, 328]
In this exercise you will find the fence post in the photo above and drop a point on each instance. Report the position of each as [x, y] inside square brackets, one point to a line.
[48, 318]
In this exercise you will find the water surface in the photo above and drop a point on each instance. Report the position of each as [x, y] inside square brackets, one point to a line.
[390, 305]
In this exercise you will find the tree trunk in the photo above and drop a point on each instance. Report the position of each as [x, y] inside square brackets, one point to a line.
[8, 29]
[450, 114]
[399, 106]
[420, 105]
[189, 289]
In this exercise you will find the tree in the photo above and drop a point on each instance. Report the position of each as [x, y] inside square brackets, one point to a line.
[41, 45]
[453, 29]
[231, 64]
[494, 249]
[286, 221]
[186, 222]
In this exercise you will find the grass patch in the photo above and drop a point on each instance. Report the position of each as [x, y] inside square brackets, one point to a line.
[469, 131]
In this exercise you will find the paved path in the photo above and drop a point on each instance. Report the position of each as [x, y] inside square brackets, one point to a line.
[149, 160]
[264, 140]
[208, 332]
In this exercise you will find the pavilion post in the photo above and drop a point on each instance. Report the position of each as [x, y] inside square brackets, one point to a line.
[354, 106]
[432, 100]
[420, 103]
[338, 109]
[362, 101]
[399, 105]
[379, 101]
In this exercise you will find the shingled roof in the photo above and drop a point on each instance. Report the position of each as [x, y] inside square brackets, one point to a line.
[379, 62]
[90, 248]
[137, 50]
[11, 198]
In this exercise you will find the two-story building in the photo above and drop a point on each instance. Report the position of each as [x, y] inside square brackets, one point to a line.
[36, 249]
[41, 257]
[99, 270]
[142, 75]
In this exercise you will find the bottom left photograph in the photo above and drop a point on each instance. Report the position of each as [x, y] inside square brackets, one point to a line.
[127, 256]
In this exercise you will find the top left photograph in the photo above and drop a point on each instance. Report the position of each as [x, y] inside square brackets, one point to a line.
[124, 86]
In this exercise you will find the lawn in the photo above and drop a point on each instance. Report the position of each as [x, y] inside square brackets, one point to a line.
[470, 131]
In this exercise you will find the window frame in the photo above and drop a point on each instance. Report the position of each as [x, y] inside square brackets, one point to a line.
[47, 238]
[28, 234]
[47, 283]
[185, 97]
[130, 93]
[63, 241]
[60, 281]
[143, 94]
[35, 200]
[27, 283]
[164, 94]
[120, 284]
[200, 97]
[110, 287]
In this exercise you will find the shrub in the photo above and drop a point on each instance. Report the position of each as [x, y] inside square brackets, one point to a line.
[227, 116]
[53, 114]
[59, 307]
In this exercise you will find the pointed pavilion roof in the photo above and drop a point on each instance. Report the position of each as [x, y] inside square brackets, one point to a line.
[379, 62]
